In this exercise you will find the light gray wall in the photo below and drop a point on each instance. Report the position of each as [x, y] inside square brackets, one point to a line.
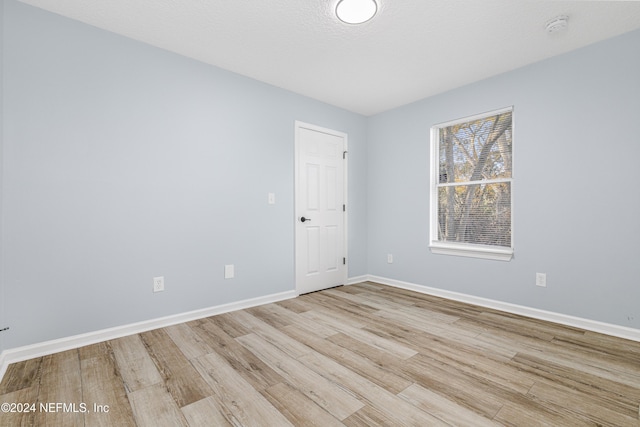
[576, 153]
[124, 162]
[2, 297]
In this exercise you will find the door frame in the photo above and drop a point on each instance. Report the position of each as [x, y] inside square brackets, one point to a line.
[345, 138]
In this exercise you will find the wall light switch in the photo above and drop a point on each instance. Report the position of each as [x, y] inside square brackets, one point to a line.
[272, 198]
[229, 271]
[541, 280]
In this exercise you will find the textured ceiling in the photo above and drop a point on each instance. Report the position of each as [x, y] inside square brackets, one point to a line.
[410, 50]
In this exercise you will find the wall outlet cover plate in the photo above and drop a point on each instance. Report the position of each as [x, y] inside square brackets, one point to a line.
[229, 271]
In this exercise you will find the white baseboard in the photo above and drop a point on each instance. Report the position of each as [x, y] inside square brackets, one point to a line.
[357, 279]
[19, 354]
[48, 347]
[3, 364]
[563, 319]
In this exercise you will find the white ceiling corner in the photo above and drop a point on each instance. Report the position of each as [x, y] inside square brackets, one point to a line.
[410, 50]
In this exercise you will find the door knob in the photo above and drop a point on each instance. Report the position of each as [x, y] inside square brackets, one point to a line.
[303, 219]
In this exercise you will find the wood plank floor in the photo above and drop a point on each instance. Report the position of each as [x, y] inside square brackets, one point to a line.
[360, 355]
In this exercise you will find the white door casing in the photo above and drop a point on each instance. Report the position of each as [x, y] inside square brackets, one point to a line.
[320, 198]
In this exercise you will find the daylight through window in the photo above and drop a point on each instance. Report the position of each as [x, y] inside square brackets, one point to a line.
[471, 191]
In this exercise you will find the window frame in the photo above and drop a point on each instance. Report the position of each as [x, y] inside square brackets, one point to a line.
[499, 253]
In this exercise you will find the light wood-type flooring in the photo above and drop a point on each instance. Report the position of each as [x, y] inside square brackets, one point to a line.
[361, 355]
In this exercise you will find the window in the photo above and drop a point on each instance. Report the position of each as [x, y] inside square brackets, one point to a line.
[471, 186]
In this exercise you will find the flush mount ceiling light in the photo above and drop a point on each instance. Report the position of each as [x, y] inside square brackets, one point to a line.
[356, 11]
[558, 23]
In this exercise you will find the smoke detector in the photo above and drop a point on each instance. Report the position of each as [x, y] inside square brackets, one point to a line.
[559, 23]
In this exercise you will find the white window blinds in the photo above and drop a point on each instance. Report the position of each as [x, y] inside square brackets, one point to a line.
[471, 196]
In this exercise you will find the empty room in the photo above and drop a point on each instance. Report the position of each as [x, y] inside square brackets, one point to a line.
[319, 213]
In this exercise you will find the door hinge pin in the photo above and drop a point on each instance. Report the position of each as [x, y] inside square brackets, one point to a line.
[344, 155]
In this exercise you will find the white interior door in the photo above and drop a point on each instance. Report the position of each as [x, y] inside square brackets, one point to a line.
[320, 208]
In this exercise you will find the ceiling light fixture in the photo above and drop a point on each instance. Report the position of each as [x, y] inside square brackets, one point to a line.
[558, 23]
[356, 11]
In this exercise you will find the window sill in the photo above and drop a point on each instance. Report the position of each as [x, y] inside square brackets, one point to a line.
[472, 251]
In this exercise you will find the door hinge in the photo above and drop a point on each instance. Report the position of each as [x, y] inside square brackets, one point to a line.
[344, 155]
[344, 261]
[344, 208]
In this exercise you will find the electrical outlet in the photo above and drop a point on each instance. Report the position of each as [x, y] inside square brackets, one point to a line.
[158, 284]
[389, 258]
[229, 271]
[541, 279]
